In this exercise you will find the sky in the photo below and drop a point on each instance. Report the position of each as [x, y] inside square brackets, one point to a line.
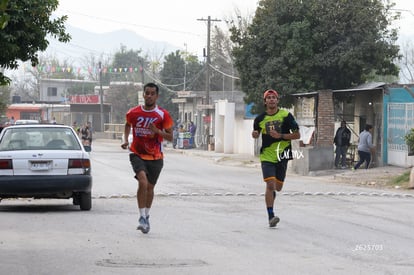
[174, 21]
[406, 23]
[182, 23]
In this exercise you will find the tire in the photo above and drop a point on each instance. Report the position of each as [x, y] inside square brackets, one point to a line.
[85, 201]
[76, 199]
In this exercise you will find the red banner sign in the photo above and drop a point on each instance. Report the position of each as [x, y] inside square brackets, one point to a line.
[84, 99]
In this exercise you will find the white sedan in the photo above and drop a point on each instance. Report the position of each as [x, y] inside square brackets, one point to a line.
[44, 161]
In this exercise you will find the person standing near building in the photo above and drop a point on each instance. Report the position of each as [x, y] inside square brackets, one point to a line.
[150, 125]
[342, 141]
[277, 128]
[365, 147]
[192, 128]
[175, 137]
[76, 127]
[86, 136]
[91, 130]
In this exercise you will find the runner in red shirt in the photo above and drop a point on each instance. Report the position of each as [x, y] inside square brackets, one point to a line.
[150, 125]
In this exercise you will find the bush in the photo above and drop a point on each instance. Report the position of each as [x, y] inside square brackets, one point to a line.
[409, 140]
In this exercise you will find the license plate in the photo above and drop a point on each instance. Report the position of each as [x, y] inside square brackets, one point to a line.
[44, 165]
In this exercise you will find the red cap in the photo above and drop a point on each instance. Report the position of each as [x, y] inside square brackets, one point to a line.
[268, 92]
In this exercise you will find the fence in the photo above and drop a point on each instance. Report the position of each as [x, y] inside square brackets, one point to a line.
[116, 130]
[399, 122]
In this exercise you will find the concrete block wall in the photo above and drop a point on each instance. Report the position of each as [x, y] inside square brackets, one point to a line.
[321, 156]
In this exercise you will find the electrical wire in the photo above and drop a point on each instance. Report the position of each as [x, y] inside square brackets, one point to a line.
[223, 73]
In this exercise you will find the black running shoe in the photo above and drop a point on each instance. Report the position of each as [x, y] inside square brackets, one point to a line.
[273, 221]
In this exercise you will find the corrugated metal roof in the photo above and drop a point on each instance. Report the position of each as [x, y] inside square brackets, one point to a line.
[364, 87]
[305, 94]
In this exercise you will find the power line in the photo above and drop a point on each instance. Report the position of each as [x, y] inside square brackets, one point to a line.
[133, 24]
[223, 73]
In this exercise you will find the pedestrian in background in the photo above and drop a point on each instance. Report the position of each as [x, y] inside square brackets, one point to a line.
[86, 136]
[150, 125]
[342, 141]
[175, 137]
[76, 128]
[192, 128]
[365, 147]
[277, 128]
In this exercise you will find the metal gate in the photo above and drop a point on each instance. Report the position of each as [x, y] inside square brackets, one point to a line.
[400, 120]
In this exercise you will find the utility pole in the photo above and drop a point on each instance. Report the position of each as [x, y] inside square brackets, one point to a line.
[142, 72]
[208, 62]
[101, 97]
[185, 65]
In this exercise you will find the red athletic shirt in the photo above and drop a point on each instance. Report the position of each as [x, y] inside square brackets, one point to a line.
[145, 143]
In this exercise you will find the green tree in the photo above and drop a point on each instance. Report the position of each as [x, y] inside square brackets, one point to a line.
[4, 99]
[295, 45]
[175, 66]
[122, 98]
[195, 77]
[223, 75]
[172, 77]
[124, 95]
[180, 63]
[25, 25]
[125, 59]
[4, 17]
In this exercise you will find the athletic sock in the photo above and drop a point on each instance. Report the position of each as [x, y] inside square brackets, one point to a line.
[270, 212]
[142, 212]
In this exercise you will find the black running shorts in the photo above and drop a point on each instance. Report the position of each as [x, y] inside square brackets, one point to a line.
[151, 167]
[274, 170]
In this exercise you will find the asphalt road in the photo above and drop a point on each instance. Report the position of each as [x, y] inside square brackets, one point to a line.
[209, 218]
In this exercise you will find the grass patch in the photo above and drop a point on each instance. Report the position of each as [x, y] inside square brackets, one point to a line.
[401, 180]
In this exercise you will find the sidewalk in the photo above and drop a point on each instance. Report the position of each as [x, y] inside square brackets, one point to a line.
[374, 177]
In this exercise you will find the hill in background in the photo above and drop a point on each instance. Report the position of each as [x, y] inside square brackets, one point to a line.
[84, 43]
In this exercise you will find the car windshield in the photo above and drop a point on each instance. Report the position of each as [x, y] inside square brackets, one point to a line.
[47, 138]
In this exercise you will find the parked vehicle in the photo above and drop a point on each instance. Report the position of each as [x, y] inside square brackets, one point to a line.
[44, 161]
[26, 121]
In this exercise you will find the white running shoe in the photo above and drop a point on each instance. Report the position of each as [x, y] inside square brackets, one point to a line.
[143, 225]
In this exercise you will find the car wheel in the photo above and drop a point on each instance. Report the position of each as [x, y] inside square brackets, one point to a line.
[85, 201]
[76, 199]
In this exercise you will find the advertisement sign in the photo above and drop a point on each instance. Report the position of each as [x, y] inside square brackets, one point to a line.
[84, 99]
